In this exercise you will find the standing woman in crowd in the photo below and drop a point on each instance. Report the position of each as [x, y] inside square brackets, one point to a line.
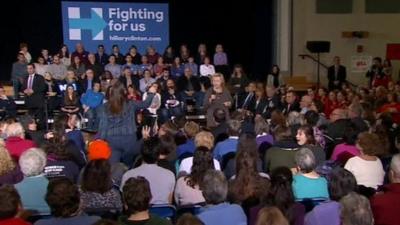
[274, 78]
[216, 97]
[23, 47]
[41, 65]
[117, 124]
[64, 55]
[238, 81]
[221, 62]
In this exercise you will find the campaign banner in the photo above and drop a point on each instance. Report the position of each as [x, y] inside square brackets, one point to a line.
[360, 63]
[124, 24]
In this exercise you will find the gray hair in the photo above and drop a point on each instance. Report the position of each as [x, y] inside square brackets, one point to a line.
[15, 130]
[32, 162]
[294, 118]
[305, 160]
[395, 165]
[214, 187]
[356, 210]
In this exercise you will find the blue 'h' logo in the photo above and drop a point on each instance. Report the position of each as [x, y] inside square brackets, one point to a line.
[95, 23]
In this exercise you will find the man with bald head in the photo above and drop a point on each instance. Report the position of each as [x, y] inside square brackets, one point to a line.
[338, 123]
[305, 104]
[385, 206]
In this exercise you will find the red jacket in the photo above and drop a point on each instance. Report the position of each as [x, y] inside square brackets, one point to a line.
[386, 206]
[16, 146]
[14, 221]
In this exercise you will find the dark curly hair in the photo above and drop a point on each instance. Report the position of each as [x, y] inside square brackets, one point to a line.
[202, 162]
[97, 176]
[62, 197]
[136, 194]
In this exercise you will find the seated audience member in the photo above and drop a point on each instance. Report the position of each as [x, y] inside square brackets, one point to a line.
[189, 87]
[305, 138]
[133, 93]
[8, 108]
[341, 182]
[88, 81]
[177, 68]
[282, 151]
[367, 167]
[145, 65]
[205, 139]
[261, 129]
[344, 151]
[238, 81]
[70, 79]
[307, 183]
[31, 130]
[385, 205]
[271, 216]
[247, 143]
[96, 187]
[162, 181]
[338, 123]
[146, 81]
[248, 185]
[70, 104]
[246, 98]
[155, 105]
[207, 69]
[312, 118]
[59, 163]
[280, 195]
[33, 187]
[90, 101]
[187, 190]
[16, 143]
[77, 66]
[294, 120]
[65, 135]
[217, 211]
[10, 173]
[10, 206]
[259, 102]
[158, 67]
[220, 132]
[94, 66]
[100, 149]
[137, 196]
[230, 144]
[272, 102]
[291, 103]
[171, 102]
[113, 67]
[355, 210]
[63, 198]
[355, 112]
[167, 156]
[128, 78]
[190, 129]
[189, 219]
[192, 66]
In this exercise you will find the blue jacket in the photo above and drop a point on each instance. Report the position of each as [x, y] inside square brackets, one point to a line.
[123, 124]
[92, 99]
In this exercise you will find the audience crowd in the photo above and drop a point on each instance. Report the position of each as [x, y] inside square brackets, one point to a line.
[137, 135]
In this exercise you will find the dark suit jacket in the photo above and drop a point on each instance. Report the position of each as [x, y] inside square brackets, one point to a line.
[182, 83]
[83, 84]
[293, 107]
[36, 100]
[242, 103]
[135, 81]
[341, 76]
[258, 108]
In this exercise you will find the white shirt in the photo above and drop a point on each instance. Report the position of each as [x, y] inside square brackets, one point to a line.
[367, 173]
[155, 103]
[186, 165]
[206, 70]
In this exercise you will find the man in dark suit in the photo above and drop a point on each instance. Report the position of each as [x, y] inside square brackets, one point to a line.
[35, 90]
[246, 98]
[87, 82]
[291, 103]
[336, 74]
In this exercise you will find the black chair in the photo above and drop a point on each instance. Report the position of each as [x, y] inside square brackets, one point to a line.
[164, 210]
[310, 203]
[192, 209]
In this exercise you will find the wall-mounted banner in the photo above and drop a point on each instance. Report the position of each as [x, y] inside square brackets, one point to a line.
[124, 24]
[360, 63]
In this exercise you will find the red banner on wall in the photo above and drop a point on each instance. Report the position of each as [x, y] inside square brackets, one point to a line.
[393, 51]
